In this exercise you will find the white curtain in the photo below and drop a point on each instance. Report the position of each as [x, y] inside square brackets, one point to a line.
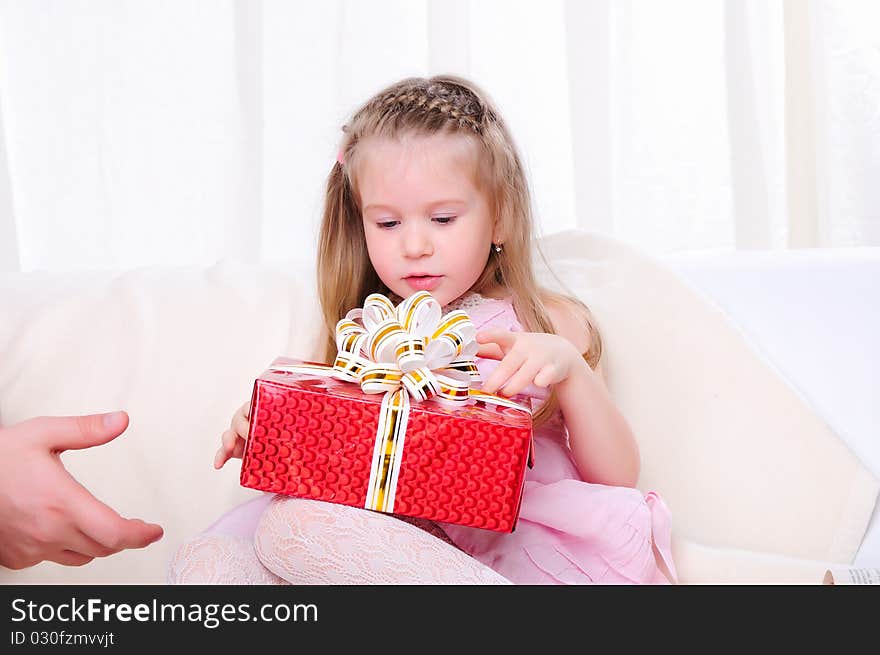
[146, 132]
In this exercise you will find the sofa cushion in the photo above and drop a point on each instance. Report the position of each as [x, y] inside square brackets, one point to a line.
[743, 461]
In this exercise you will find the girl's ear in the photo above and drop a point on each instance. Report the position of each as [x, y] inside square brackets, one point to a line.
[498, 232]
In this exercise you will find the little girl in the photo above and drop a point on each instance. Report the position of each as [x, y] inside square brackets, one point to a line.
[428, 193]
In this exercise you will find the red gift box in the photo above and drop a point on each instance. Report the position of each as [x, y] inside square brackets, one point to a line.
[315, 437]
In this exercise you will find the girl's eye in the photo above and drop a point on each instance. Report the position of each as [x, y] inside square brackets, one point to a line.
[385, 225]
[444, 220]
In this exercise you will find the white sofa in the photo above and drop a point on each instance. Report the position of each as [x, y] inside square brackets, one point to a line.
[751, 381]
[814, 315]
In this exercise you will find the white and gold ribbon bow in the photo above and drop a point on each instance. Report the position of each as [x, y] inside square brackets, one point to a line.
[411, 350]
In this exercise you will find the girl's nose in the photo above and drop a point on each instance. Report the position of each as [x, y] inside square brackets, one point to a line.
[417, 242]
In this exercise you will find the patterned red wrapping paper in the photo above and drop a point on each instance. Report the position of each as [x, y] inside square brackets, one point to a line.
[314, 437]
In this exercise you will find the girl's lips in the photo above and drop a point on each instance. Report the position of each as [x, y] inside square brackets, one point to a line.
[424, 282]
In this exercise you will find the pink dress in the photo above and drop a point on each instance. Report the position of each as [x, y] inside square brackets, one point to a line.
[569, 531]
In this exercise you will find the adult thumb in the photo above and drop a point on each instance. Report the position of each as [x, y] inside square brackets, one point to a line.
[75, 432]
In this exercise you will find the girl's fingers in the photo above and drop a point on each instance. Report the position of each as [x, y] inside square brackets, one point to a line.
[546, 376]
[220, 458]
[490, 351]
[521, 379]
[228, 440]
[508, 366]
[504, 338]
[242, 412]
[241, 425]
[233, 446]
[227, 443]
[238, 451]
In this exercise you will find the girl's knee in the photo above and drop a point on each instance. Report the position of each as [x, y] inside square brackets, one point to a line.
[285, 524]
[295, 518]
[297, 528]
[209, 559]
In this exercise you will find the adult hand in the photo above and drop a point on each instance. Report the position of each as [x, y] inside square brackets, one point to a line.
[45, 514]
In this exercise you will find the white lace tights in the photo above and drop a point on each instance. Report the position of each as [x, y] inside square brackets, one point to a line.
[310, 542]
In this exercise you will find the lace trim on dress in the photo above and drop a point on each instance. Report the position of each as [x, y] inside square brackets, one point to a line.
[470, 301]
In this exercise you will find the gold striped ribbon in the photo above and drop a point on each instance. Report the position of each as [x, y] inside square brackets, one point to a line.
[404, 351]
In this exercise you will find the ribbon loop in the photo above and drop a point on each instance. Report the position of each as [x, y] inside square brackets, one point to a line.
[413, 347]
[453, 338]
[377, 308]
[382, 341]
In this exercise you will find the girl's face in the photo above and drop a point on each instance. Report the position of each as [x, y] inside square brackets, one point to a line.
[426, 223]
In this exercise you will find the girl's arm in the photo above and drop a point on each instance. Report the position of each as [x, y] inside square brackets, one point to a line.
[602, 444]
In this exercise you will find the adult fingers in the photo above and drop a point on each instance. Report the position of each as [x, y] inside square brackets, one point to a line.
[82, 543]
[74, 432]
[127, 533]
[508, 366]
[101, 523]
[69, 558]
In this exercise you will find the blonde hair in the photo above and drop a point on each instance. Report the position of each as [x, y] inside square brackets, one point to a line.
[442, 104]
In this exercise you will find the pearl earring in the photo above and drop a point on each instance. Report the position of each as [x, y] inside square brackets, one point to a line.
[497, 247]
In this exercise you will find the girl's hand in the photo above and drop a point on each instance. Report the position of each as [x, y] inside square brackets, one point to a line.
[526, 358]
[233, 439]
